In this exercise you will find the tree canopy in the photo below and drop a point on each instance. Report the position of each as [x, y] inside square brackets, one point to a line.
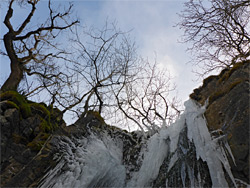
[218, 31]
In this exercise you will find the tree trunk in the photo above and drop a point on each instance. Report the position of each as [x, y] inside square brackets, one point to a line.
[17, 70]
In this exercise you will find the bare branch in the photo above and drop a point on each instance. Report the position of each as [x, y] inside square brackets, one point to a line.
[8, 16]
[218, 32]
[40, 29]
[27, 20]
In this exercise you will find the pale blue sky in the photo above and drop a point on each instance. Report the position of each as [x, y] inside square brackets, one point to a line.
[151, 24]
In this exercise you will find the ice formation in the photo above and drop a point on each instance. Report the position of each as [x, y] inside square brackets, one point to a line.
[87, 163]
[98, 161]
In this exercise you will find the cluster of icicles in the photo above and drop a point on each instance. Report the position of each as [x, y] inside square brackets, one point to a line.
[98, 162]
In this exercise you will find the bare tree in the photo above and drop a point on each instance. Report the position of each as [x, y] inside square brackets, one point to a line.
[110, 78]
[101, 72]
[27, 45]
[103, 62]
[148, 101]
[218, 31]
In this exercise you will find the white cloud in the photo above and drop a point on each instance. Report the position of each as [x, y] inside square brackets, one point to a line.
[152, 28]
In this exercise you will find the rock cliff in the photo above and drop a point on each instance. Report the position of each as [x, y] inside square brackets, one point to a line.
[37, 149]
[228, 112]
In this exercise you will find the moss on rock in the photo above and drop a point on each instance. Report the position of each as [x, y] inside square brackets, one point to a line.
[227, 74]
[37, 143]
[222, 92]
[41, 108]
[19, 100]
[11, 104]
[47, 126]
[19, 139]
[96, 115]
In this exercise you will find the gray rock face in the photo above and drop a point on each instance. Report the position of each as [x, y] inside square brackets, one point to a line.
[21, 141]
[228, 112]
[187, 168]
[110, 157]
[29, 155]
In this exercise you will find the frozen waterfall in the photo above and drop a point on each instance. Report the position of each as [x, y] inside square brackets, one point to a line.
[183, 152]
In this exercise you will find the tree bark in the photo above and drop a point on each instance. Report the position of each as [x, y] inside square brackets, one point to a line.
[17, 68]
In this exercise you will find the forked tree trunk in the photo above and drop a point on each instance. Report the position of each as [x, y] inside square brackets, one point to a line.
[16, 74]
[14, 78]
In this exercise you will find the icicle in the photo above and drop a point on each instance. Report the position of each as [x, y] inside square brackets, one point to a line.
[242, 183]
[173, 160]
[206, 149]
[191, 176]
[229, 151]
[153, 158]
[199, 179]
[98, 161]
[183, 173]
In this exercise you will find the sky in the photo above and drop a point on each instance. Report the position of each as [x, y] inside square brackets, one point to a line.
[151, 25]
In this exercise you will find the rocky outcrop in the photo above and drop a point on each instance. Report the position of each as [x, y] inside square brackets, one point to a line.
[25, 128]
[36, 143]
[28, 151]
[228, 112]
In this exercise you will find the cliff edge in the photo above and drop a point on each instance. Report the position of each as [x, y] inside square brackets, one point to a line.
[38, 149]
[228, 112]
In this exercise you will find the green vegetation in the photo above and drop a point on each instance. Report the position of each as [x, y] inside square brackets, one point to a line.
[220, 82]
[41, 108]
[227, 74]
[96, 115]
[38, 142]
[47, 126]
[36, 145]
[45, 116]
[19, 100]
[55, 112]
[28, 108]
[18, 138]
[11, 104]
